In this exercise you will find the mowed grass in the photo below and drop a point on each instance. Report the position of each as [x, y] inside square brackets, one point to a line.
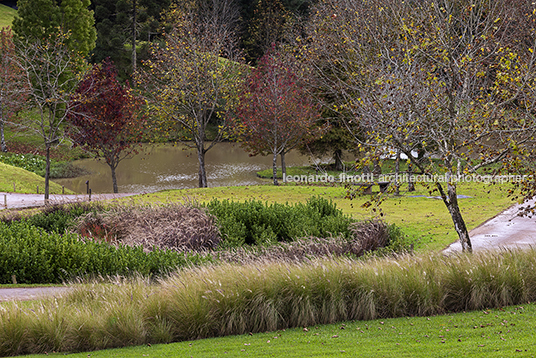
[418, 215]
[24, 181]
[506, 332]
[6, 15]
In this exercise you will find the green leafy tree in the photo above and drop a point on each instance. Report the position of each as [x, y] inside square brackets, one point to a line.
[266, 27]
[333, 142]
[124, 29]
[41, 19]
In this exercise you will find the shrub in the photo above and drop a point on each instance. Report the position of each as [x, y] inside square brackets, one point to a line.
[30, 162]
[370, 238]
[255, 222]
[57, 217]
[35, 256]
[36, 163]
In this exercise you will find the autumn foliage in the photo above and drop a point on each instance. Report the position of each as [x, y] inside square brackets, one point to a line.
[275, 113]
[107, 122]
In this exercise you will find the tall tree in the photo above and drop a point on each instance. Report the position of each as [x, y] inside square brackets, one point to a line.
[41, 19]
[193, 74]
[426, 74]
[275, 114]
[107, 119]
[13, 87]
[266, 27]
[126, 23]
[51, 71]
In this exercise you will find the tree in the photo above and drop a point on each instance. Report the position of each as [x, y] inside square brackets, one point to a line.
[124, 23]
[275, 114]
[106, 121]
[13, 87]
[333, 141]
[51, 72]
[428, 74]
[195, 72]
[41, 19]
[266, 27]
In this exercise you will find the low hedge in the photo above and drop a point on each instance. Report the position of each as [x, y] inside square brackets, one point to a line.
[260, 223]
[32, 255]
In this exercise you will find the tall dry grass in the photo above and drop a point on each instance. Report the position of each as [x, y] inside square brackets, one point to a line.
[175, 226]
[234, 299]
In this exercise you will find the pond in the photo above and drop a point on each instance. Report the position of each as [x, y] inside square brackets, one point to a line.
[161, 167]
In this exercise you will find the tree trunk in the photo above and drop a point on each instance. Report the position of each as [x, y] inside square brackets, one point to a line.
[377, 169]
[47, 173]
[397, 172]
[114, 179]
[283, 165]
[274, 167]
[451, 201]
[411, 184]
[134, 59]
[337, 156]
[202, 172]
[3, 146]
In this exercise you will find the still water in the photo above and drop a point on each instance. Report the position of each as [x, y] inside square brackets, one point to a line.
[161, 167]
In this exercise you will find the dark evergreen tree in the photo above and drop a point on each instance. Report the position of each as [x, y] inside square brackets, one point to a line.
[120, 24]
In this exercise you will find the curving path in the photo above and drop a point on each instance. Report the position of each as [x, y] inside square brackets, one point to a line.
[21, 201]
[506, 230]
[30, 293]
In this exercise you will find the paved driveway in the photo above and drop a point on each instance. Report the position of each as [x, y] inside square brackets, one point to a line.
[506, 230]
[19, 201]
[31, 293]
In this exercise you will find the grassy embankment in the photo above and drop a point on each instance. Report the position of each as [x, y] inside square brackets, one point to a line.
[6, 15]
[24, 181]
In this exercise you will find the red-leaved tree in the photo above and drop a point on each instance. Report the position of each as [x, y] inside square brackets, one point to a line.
[13, 87]
[275, 113]
[107, 121]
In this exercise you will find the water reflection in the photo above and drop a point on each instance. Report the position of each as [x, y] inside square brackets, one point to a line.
[162, 167]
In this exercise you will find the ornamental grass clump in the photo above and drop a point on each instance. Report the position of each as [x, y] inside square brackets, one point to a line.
[169, 226]
[260, 296]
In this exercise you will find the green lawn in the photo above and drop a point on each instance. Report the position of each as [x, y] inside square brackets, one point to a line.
[6, 15]
[24, 181]
[416, 214]
[507, 332]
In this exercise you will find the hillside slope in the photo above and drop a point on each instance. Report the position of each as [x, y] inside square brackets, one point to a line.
[6, 15]
[25, 182]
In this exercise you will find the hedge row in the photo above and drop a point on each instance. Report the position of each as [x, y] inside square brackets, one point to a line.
[31, 255]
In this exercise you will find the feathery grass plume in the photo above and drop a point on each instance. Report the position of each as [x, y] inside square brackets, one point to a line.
[260, 296]
[13, 329]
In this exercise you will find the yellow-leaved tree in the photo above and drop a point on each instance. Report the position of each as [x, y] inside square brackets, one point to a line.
[443, 77]
[194, 73]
